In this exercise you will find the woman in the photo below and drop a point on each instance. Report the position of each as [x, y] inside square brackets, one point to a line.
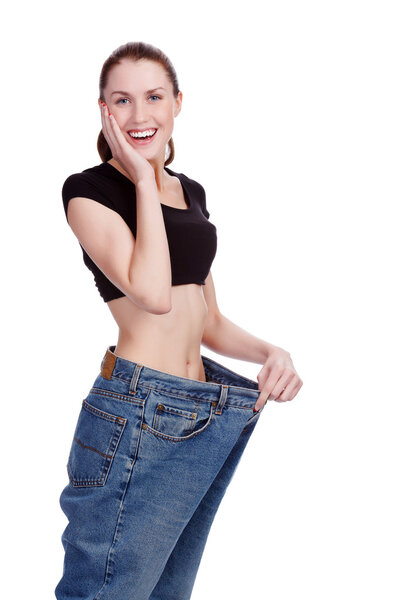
[163, 427]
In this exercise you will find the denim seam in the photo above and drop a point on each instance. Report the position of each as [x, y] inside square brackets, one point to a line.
[250, 423]
[175, 395]
[253, 418]
[215, 382]
[118, 527]
[86, 483]
[162, 391]
[119, 427]
[196, 408]
[187, 414]
[160, 409]
[118, 396]
[184, 438]
[102, 414]
[196, 398]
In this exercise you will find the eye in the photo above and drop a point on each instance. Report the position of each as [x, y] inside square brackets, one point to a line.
[122, 99]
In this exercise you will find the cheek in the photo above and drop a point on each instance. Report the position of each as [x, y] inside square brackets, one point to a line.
[166, 115]
[167, 123]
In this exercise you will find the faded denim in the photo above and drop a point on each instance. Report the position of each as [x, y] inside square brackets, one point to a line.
[151, 458]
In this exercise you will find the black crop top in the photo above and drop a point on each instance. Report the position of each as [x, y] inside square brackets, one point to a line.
[192, 239]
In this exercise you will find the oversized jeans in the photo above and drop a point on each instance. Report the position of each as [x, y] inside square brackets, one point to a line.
[150, 461]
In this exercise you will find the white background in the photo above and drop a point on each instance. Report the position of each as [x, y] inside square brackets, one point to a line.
[290, 120]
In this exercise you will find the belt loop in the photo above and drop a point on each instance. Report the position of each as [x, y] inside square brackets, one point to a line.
[135, 377]
[108, 363]
[222, 399]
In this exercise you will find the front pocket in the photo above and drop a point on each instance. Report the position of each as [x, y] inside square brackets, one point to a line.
[96, 438]
[175, 418]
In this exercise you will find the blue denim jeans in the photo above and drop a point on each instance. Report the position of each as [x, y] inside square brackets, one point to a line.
[150, 461]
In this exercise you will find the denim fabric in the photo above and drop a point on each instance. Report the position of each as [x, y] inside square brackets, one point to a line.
[151, 458]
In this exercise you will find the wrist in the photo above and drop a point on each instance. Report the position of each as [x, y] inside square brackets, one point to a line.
[267, 349]
[145, 181]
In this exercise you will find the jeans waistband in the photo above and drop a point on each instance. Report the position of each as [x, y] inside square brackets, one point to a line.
[221, 381]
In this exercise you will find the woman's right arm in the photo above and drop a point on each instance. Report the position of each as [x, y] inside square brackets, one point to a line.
[150, 265]
[140, 268]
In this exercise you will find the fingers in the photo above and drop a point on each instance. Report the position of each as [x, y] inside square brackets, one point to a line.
[271, 388]
[112, 132]
[284, 386]
[290, 390]
[106, 127]
[272, 394]
[120, 140]
[280, 389]
[109, 127]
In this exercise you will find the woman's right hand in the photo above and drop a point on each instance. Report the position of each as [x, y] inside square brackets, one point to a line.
[130, 160]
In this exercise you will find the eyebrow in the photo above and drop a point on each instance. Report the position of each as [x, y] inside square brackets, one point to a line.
[148, 91]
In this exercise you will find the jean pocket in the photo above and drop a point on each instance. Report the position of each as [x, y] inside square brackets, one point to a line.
[176, 418]
[96, 438]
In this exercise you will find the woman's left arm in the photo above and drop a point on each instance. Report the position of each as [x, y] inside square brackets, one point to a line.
[277, 380]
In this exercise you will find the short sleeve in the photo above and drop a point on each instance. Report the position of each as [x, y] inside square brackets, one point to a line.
[83, 185]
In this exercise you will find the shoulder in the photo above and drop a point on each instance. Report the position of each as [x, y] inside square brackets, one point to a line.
[88, 179]
[199, 192]
[88, 183]
[193, 182]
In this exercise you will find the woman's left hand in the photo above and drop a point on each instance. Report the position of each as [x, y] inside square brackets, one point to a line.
[278, 379]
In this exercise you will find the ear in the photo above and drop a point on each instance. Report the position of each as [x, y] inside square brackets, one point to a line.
[178, 104]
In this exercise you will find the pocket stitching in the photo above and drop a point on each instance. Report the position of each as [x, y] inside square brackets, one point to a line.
[161, 408]
[102, 414]
[176, 395]
[119, 426]
[117, 396]
[183, 438]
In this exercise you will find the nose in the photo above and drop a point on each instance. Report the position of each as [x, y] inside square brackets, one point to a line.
[139, 112]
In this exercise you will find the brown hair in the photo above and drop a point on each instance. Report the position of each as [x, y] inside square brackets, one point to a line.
[135, 51]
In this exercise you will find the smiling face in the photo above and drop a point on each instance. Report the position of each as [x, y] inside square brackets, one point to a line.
[140, 96]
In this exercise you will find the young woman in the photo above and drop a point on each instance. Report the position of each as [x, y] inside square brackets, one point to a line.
[163, 427]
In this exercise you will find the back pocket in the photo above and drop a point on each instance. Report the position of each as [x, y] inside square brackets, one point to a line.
[96, 438]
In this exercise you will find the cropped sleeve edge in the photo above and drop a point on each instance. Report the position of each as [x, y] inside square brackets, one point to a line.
[78, 185]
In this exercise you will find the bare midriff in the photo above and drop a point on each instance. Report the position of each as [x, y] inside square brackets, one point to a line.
[169, 342]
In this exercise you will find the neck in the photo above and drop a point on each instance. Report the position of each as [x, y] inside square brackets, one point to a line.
[159, 173]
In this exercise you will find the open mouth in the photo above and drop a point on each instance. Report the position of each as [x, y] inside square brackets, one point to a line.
[143, 139]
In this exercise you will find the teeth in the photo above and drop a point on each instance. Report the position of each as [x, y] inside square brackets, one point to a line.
[142, 134]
